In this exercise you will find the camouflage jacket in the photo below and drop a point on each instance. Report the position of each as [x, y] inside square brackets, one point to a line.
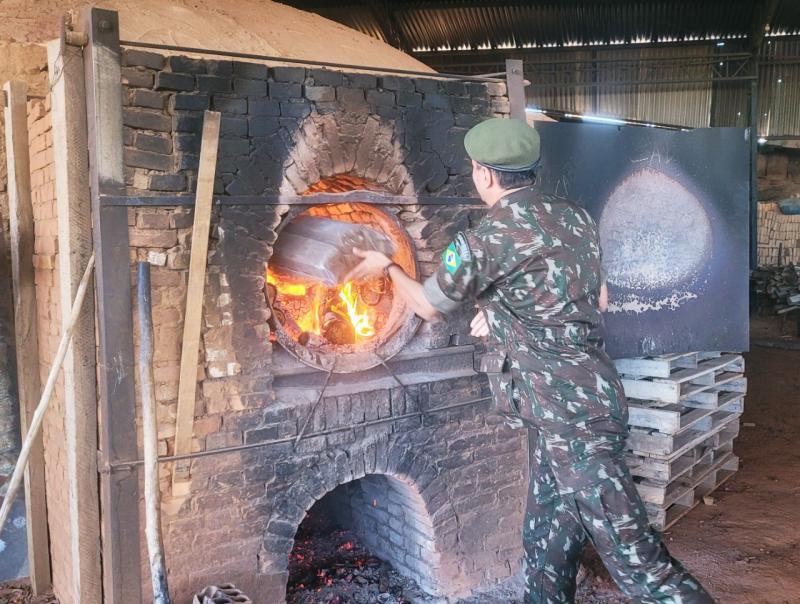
[534, 266]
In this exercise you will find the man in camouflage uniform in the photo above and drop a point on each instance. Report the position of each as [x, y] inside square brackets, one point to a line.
[533, 265]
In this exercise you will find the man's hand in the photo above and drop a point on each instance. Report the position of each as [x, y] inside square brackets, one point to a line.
[478, 326]
[371, 265]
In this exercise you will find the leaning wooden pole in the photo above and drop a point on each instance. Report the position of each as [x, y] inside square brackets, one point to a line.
[152, 492]
[190, 350]
[47, 394]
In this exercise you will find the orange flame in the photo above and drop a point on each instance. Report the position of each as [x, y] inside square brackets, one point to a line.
[310, 321]
[359, 318]
[349, 306]
[288, 289]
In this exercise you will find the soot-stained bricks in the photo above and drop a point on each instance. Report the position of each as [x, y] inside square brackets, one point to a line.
[283, 130]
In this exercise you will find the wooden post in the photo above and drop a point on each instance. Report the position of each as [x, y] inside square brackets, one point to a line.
[65, 65]
[119, 490]
[25, 330]
[187, 384]
[516, 88]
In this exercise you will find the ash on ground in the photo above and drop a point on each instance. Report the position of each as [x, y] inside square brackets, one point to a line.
[329, 565]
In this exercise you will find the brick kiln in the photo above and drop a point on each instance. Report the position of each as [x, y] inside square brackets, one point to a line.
[307, 391]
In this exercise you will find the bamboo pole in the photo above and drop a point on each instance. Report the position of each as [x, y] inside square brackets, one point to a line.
[152, 492]
[47, 394]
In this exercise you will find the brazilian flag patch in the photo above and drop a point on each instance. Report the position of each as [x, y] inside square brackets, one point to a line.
[451, 259]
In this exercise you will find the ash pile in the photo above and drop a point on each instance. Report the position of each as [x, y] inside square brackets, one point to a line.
[329, 565]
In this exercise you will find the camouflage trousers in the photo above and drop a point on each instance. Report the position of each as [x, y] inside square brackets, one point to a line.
[611, 515]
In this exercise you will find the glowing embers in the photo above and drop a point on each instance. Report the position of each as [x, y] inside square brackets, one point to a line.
[318, 315]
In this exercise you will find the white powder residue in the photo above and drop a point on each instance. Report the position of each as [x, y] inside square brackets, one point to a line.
[654, 232]
[638, 305]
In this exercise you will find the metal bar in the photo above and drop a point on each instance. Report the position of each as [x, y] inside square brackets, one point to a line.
[692, 61]
[123, 465]
[122, 583]
[152, 491]
[316, 404]
[515, 88]
[244, 55]
[279, 199]
[611, 84]
[753, 131]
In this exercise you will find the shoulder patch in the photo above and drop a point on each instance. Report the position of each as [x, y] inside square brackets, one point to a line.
[462, 247]
[451, 259]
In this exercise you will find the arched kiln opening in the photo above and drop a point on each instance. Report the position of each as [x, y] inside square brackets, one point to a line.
[318, 316]
[371, 535]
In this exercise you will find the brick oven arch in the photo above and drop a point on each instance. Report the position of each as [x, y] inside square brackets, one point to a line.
[414, 497]
[340, 142]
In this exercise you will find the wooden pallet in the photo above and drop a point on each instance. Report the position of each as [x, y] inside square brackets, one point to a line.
[665, 494]
[667, 470]
[662, 517]
[651, 443]
[685, 384]
[657, 367]
[674, 418]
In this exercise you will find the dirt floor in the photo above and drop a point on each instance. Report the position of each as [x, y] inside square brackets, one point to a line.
[745, 548]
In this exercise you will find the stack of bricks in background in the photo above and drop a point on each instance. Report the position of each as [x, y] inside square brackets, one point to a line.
[684, 414]
[778, 236]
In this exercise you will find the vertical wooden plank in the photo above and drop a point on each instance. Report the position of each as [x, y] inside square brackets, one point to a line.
[516, 88]
[65, 65]
[187, 384]
[29, 387]
[119, 489]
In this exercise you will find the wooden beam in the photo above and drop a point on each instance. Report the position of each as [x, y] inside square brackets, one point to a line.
[65, 65]
[119, 492]
[29, 386]
[515, 83]
[187, 384]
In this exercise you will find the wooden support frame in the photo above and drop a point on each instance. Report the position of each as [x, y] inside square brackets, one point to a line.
[119, 491]
[515, 82]
[25, 328]
[65, 65]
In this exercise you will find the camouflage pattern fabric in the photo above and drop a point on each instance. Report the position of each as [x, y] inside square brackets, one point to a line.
[534, 266]
[611, 515]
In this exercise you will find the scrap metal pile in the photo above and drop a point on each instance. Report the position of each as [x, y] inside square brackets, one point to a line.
[779, 283]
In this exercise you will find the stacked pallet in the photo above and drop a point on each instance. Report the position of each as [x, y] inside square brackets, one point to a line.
[684, 412]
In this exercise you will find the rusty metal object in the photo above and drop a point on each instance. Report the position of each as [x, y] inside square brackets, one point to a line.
[321, 249]
[222, 594]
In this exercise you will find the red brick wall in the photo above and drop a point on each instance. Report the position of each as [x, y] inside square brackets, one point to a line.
[45, 262]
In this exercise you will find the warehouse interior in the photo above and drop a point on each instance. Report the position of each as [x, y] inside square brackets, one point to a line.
[301, 440]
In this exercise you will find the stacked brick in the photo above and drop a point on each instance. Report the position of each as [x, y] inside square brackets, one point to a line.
[778, 236]
[264, 108]
[48, 316]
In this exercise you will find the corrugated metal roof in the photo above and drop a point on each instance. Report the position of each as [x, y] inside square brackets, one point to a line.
[453, 24]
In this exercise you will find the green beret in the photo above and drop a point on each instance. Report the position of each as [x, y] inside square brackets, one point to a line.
[503, 144]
